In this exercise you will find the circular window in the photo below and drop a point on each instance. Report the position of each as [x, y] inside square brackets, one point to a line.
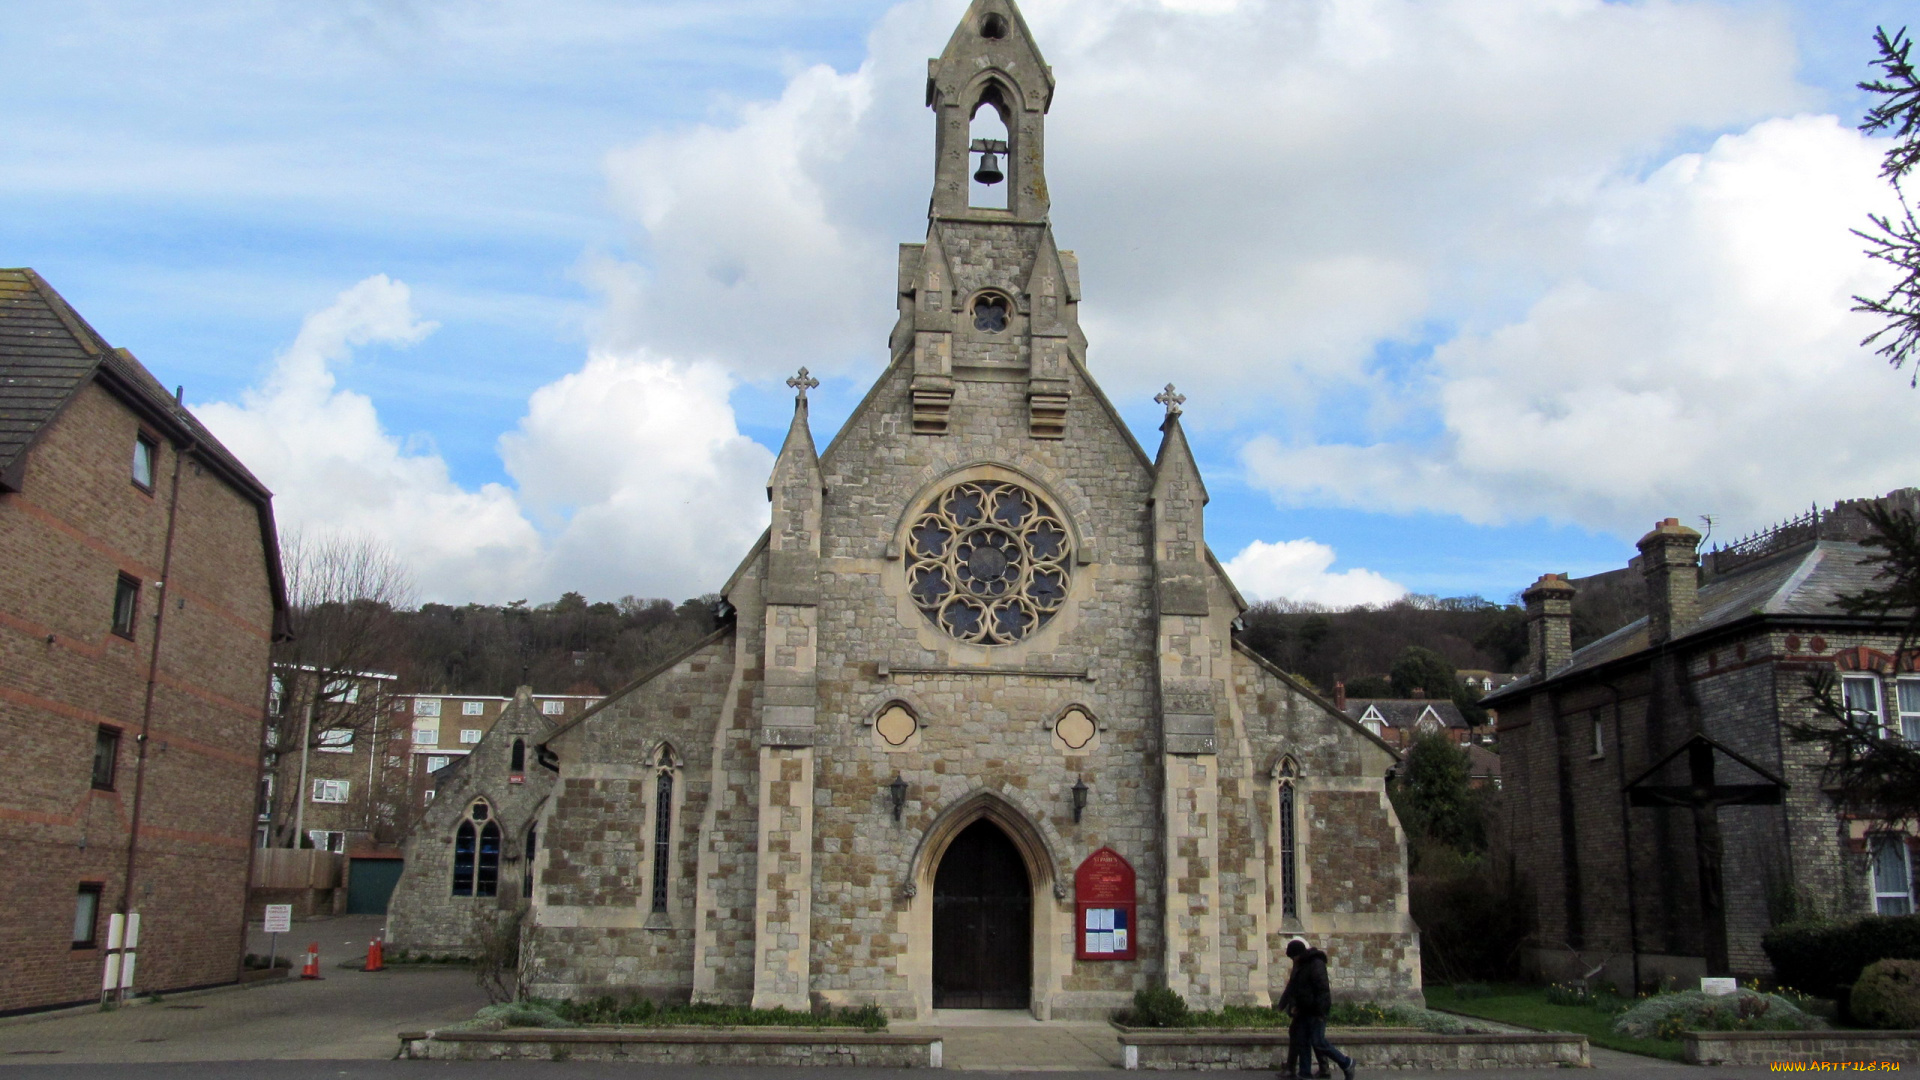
[990, 312]
[987, 562]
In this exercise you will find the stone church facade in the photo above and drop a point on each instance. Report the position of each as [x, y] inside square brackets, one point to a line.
[981, 651]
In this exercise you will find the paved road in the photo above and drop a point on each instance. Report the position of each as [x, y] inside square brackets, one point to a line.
[590, 1070]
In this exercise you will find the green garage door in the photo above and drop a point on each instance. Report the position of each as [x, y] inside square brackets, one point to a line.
[370, 885]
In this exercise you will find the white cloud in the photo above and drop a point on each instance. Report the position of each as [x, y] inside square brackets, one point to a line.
[1299, 570]
[1700, 358]
[633, 465]
[332, 466]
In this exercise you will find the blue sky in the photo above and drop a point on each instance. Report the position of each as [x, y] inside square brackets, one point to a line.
[1459, 291]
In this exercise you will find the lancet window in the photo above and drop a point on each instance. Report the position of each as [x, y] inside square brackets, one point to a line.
[476, 853]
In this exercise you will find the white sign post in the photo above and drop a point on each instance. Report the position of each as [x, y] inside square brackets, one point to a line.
[279, 921]
[123, 939]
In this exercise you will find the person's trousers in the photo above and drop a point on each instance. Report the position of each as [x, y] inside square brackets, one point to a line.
[1317, 1041]
[1299, 1052]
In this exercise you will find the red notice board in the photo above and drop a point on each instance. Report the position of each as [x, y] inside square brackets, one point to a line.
[1104, 907]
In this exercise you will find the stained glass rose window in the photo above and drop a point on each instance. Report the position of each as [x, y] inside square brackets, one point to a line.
[987, 562]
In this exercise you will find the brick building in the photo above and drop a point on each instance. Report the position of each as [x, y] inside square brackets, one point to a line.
[1706, 680]
[350, 787]
[142, 593]
[977, 733]
[1399, 721]
[445, 728]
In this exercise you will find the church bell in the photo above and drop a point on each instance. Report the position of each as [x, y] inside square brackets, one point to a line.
[989, 170]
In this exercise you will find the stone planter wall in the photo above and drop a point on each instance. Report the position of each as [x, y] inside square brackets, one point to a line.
[681, 1046]
[1764, 1047]
[1370, 1048]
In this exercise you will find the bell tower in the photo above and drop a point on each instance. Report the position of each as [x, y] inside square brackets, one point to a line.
[990, 63]
[989, 298]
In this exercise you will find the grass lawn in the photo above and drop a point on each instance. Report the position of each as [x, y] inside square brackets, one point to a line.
[1527, 1006]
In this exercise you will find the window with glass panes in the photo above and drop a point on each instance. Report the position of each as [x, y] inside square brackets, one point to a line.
[1907, 693]
[1861, 694]
[1892, 876]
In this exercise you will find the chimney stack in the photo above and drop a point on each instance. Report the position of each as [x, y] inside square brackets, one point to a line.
[1549, 624]
[1340, 694]
[1670, 564]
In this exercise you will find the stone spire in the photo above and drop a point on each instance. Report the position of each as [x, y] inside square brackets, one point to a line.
[991, 62]
[1179, 518]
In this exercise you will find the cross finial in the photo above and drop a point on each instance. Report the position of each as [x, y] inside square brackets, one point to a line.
[1171, 400]
[803, 383]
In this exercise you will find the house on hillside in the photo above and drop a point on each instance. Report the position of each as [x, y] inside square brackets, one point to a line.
[1603, 749]
[141, 594]
[1399, 721]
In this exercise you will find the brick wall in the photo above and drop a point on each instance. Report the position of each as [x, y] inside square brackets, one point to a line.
[78, 523]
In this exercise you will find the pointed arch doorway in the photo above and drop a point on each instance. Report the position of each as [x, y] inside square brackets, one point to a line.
[982, 923]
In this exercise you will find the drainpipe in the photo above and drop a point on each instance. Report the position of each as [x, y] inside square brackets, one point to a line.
[153, 679]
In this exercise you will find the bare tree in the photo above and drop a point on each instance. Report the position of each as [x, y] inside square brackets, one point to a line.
[343, 590]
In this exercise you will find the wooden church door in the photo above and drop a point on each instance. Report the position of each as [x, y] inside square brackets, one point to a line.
[982, 923]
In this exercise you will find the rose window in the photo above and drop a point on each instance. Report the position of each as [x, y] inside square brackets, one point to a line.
[987, 562]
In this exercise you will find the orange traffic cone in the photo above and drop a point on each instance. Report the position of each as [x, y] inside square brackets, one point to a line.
[376, 954]
[312, 968]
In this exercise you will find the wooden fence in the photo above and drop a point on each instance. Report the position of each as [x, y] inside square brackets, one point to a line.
[297, 868]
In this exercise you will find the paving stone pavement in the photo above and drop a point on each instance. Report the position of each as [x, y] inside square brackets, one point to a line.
[985, 1039]
[344, 1015]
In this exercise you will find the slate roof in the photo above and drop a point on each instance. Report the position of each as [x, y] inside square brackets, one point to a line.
[48, 353]
[1403, 713]
[1803, 582]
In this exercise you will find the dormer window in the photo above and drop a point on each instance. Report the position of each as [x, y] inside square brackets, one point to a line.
[145, 450]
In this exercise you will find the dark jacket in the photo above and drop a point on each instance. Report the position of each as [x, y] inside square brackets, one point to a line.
[1308, 993]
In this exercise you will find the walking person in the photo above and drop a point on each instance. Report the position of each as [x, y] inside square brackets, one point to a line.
[1310, 995]
[1297, 1042]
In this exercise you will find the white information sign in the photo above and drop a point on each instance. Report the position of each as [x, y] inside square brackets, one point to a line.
[279, 919]
[1719, 987]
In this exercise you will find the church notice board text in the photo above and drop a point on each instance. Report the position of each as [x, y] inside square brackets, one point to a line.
[1104, 906]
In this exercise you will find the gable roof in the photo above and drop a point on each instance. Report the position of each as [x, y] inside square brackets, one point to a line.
[1803, 582]
[48, 353]
[1405, 713]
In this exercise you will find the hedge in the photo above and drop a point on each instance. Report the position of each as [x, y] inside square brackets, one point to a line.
[1826, 960]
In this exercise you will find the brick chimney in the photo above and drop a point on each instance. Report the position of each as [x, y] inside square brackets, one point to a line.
[1670, 564]
[1549, 624]
[1340, 694]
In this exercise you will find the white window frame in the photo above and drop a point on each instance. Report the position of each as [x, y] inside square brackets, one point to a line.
[335, 741]
[424, 734]
[1881, 890]
[1879, 698]
[332, 791]
[1599, 737]
[473, 708]
[1909, 721]
[327, 840]
[444, 760]
[426, 706]
[470, 735]
[552, 708]
[341, 691]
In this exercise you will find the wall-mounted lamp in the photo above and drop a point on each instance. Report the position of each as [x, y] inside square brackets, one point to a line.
[898, 790]
[1079, 798]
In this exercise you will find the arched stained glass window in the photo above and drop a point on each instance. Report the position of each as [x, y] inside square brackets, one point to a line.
[526, 876]
[463, 845]
[1289, 857]
[486, 874]
[662, 838]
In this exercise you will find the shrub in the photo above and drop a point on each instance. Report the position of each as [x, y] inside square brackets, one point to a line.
[1827, 959]
[512, 1014]
[1159, 1007]
[1888, 995]
[1665, 1016]
[644, 1012]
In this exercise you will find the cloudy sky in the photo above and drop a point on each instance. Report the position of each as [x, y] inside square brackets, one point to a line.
[1459, 291]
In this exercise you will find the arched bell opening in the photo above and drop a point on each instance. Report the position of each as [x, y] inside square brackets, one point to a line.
[989, 162]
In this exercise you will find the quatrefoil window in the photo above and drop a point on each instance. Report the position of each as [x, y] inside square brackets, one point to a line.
[987, 562]
[990, 312]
